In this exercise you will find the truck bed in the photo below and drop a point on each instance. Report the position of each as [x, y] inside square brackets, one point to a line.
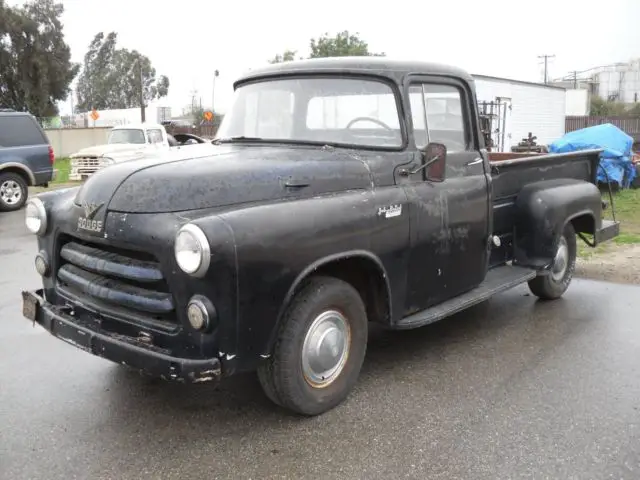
[510, 172]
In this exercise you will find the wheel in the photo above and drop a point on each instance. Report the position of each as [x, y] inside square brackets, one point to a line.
[319, 350]
[555, 283]
[13, 192]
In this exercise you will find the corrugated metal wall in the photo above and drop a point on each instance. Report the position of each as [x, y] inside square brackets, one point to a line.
[538, 109]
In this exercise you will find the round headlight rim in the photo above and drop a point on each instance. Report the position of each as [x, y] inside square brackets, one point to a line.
[203, 242]
[42, 215]
[208, 310]
[42, 254]
[199, 304]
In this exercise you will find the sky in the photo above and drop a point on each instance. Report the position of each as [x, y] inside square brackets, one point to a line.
[188, 40]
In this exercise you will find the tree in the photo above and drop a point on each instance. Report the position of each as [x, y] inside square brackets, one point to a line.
[115, 78]
[287, 56]
[602, 107]
[35, 61]
[634, 110]
[342, 44]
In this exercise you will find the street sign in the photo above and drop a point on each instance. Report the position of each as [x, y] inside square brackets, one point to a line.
[94, 115]
[208, 115]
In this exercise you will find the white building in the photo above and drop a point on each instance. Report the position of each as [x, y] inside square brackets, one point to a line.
[520, 108]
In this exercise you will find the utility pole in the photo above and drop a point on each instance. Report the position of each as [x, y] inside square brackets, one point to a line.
[575, 79]
[142, 112]
[546, 58]
[213, 92]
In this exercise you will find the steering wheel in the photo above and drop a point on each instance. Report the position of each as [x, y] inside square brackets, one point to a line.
[370, 119]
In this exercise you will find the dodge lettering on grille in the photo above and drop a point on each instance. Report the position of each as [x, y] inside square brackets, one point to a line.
[90, 225]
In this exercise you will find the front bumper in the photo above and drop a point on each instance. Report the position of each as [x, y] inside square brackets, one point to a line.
[117, 348]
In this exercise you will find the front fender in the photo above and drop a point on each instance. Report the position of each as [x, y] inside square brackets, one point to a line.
[279, 244]
[542, 211]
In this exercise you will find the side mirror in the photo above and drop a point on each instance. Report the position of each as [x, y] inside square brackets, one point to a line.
[434, 161]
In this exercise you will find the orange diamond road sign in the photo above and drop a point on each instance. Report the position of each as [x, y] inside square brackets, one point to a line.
[94, 115]
[208, 115]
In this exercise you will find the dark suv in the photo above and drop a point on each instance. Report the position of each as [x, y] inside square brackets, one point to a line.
[26, 158]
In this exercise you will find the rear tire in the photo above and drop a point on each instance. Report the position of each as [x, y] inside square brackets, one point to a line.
[553, 284]
[319, 350]
[13, 192]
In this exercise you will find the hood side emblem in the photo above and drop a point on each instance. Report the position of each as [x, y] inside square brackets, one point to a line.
[90, 209]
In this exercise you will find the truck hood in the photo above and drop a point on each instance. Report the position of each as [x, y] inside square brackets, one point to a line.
[108, 149]
[223, 176]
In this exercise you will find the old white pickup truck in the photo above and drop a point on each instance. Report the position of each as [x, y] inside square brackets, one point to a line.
[128, 142]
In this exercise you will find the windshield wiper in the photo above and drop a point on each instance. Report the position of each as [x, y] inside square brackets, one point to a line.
[237, 138]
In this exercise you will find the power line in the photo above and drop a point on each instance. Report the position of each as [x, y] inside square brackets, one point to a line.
[546, 58]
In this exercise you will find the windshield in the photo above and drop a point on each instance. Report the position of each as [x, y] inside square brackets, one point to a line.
[319, 110]
[126, 136]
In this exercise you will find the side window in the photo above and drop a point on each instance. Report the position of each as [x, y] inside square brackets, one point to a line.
[155, 136]
[445, 119]
[441, 105]
[19, 131]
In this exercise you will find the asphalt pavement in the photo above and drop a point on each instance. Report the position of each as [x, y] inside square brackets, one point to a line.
[513, 388]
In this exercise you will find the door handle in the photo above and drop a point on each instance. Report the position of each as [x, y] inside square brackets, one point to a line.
[474, 162]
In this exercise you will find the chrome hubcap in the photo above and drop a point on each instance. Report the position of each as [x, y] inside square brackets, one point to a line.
[10, 192]
[326, 348]
[561, 260]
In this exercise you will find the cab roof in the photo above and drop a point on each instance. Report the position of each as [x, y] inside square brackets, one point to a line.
[380, 66]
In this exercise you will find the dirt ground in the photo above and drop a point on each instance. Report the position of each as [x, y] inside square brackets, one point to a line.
[618, 263]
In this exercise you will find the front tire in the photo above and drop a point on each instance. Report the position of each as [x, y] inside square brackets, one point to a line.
[319, 350]
[557, 280]
[13, 192]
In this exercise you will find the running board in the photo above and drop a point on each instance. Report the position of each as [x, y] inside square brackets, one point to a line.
[497, 280]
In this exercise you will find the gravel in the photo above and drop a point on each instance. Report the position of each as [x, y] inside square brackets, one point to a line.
[620, 264]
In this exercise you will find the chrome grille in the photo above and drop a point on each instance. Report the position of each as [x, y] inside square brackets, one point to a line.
[87, 165]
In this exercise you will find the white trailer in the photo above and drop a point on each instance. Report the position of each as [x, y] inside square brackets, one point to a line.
[519, 108]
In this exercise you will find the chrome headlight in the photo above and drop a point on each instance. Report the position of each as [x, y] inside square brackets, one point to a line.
[36, 216]
[192, 250]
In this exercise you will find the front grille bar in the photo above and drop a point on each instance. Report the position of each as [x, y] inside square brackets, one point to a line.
[115, 292]
[110, 264]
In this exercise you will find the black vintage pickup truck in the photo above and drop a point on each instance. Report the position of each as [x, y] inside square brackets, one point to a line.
[343, 191]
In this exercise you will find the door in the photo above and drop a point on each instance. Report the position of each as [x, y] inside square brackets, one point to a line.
[449, 219]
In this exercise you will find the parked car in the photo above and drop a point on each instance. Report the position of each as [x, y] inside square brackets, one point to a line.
[332, 199]
[26, 158]
[128, 142]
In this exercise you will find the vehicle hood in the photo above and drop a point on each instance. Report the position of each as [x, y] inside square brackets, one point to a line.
[108, 149]
[224, 175]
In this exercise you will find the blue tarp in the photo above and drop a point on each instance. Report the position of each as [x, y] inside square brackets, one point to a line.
[616, 157]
